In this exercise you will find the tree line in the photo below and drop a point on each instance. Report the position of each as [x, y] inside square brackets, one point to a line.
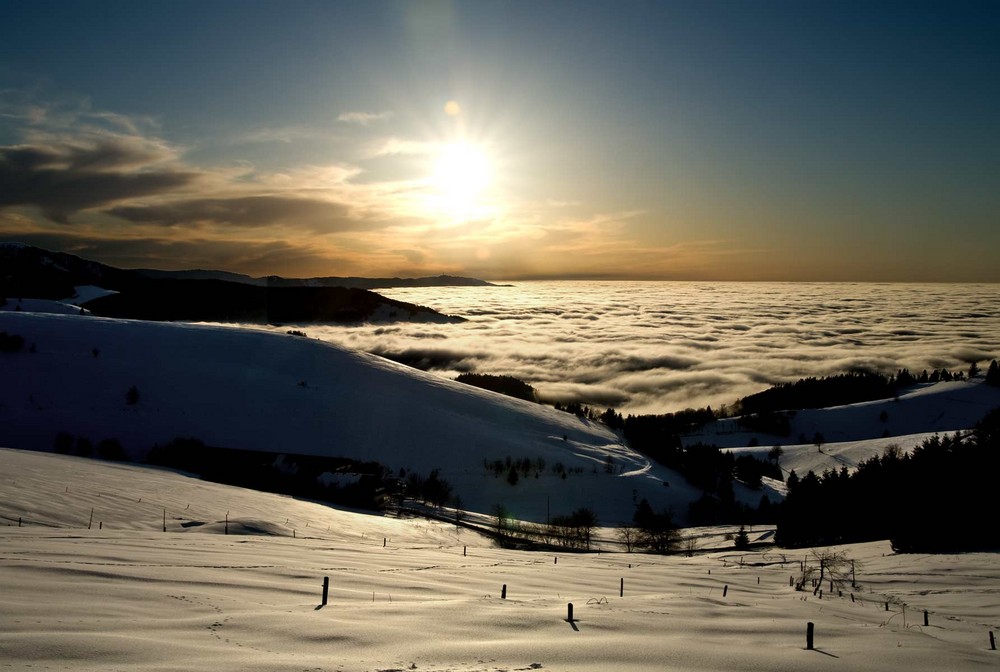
[937, 498]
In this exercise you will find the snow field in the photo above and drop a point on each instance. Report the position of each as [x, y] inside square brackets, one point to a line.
[130, 596]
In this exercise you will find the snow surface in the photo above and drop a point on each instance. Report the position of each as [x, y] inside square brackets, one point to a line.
[41, 306]
[125, 595]
[257, 390]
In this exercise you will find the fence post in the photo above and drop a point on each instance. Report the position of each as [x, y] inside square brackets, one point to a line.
[569, 612]
[503, 592]
[326, 588]
[725, 589]
[926, 623]
[621, 588]
[993, 642]
[809, 635]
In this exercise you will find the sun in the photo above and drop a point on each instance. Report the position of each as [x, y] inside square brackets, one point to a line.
[461, 176]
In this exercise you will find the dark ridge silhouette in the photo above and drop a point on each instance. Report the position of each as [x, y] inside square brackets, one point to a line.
[31, 272]
[218, 300]
[324, 281]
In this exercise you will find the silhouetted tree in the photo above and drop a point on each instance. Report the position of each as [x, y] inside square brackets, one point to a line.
[741, 541]
[993, 374]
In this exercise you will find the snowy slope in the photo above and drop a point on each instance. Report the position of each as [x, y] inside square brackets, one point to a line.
[854, 433]
[256, 390]
[928, 408]
[131, 597]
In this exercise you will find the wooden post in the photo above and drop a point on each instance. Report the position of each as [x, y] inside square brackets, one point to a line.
[758, 580]
[854, 579]
[555, 561]
[725, 589]
[464, 550]
[569, 612]
[852, 598]
[993, 642]
[100, 525]
[326, 588]
[383, 542]
[503, 592]
[926, 623]
[91, 522]
[810, 629]
[887, 606]
[19, 521]
[621, 588]
[164, 520]
[790, 581]
[227, 528]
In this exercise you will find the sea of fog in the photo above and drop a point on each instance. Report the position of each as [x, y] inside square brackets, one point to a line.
[652, 347]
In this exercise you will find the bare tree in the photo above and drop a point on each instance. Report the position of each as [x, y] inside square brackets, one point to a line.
[829, 565]
[628, 536]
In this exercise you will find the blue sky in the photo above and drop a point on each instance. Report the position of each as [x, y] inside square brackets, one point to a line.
[729, 140]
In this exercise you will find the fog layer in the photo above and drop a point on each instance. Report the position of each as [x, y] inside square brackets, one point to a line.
[653, 347]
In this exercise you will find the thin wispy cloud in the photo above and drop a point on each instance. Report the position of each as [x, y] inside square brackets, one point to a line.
[363, 118]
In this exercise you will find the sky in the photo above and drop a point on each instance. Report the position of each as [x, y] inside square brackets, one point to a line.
[827, 141]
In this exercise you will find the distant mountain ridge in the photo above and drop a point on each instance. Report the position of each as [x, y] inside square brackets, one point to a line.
[326, 281]
[33, 272]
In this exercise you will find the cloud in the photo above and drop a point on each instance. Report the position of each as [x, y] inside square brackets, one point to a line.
[363, 118]
[658, 347]
[401, 147]
[247, 211]
[64, 179]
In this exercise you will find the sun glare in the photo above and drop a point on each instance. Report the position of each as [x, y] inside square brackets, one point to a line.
[461, 176]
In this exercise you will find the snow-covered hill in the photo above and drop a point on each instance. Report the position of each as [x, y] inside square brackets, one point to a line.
[249, 389]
